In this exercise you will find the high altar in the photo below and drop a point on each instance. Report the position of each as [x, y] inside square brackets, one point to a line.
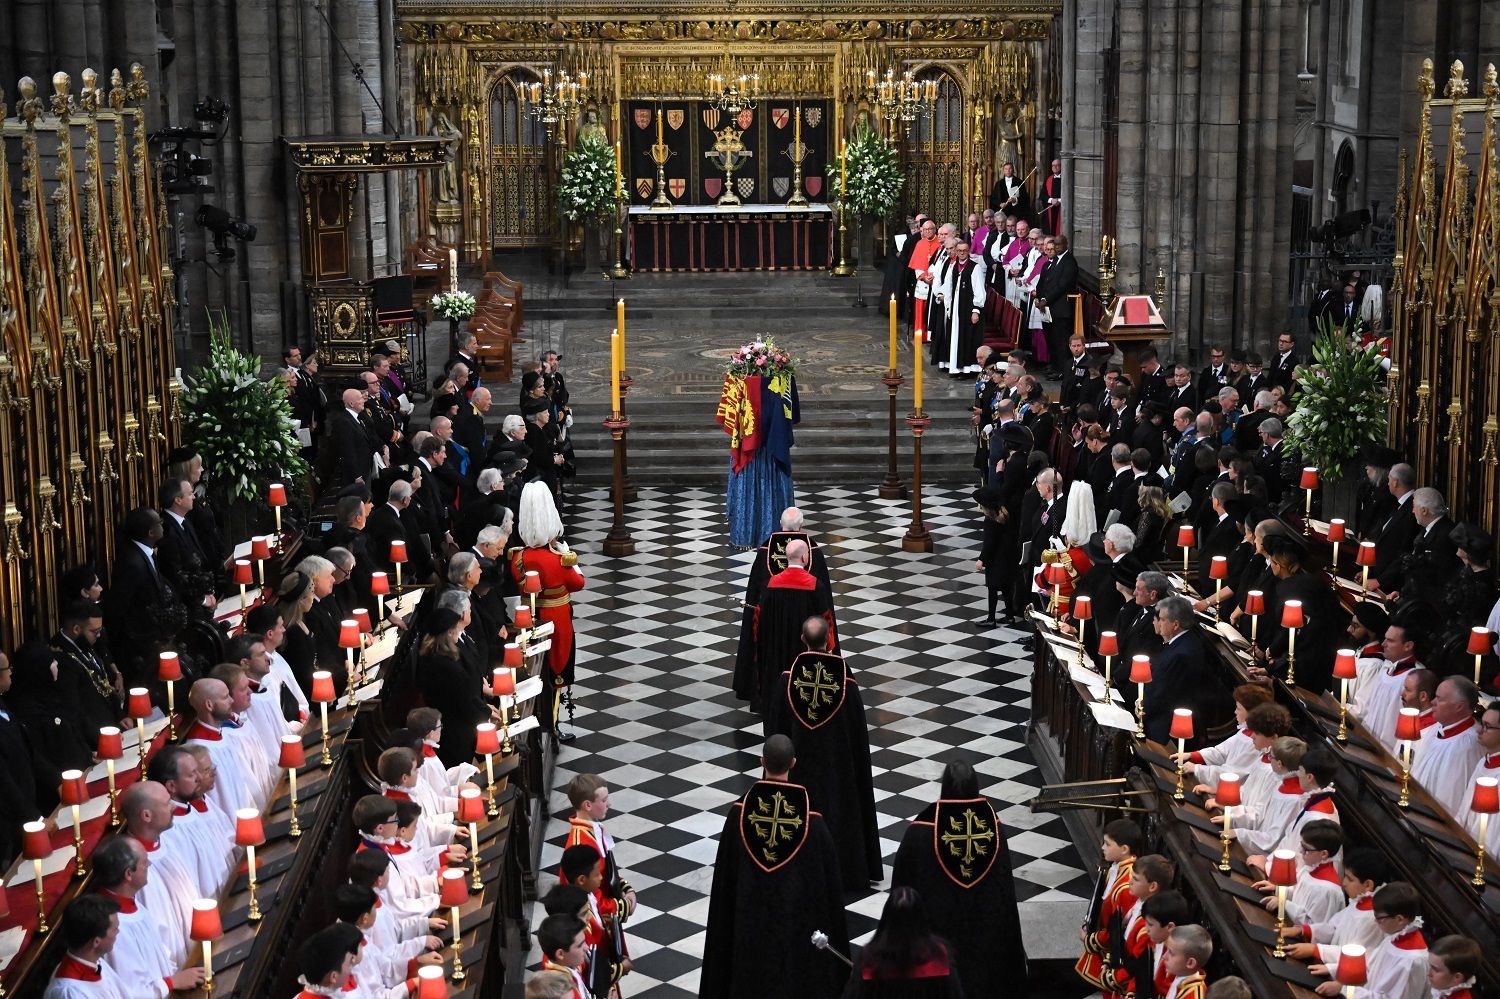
[994, 67]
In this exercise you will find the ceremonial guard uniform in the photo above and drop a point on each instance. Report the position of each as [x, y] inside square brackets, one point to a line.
[1111, 896]
[558, 569]
[608, 901]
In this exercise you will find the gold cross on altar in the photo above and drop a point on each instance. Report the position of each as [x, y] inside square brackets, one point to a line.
[774, 824]
[817, 692]
[971, 840]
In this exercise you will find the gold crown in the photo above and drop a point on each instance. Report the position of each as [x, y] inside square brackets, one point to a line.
[730, 134]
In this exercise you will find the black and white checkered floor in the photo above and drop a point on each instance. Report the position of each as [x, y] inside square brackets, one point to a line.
[656, 717]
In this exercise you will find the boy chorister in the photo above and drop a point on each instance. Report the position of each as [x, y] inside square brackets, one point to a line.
[564, 948]
[580, 869]
[1236, 753]
[1123, 840]
[373, 869]
[427, 724]
[386, 968]
[1319, 893]
[1452, 965]
[399, 771]
[1365, 870]
[1188, 950]
[1129, 946]
[589, 796]
[1163, 913]
[375, 819]
[1396, 968]
[1265, 813]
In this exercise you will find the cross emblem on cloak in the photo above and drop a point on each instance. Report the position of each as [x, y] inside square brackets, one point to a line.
[774, 823]
[816, 691]
[968, 839]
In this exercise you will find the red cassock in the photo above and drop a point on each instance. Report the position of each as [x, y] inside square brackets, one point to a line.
[554, 603]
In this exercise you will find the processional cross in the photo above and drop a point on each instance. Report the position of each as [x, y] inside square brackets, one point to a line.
[728, 154]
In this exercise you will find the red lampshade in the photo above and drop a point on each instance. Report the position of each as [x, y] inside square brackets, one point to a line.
[1182, 723]
[1309, 478]
[139, 703]
[1337, 530]
[362, 618]
[322, 686]
[1255, 603]
[1227, 791]
[523, 617]
[531, 582]
[276, 494]
[1109, 643]
[248, 829]
[1351, 969]
[380, 584]
[206, 924]
[1292, 616]
[349, 634]
[292, 756]
[168, 666]
[512, 655]
[244, 574]
[1486, 800]
[1218, 568]
[1409, 725]
[1282, 869]
[1366, 553]
[502, 682]
[398, 550]
[455, 887]
[35, 843]
[1481, 641]
[430, 982]
[73, 790]
[470, 806]
[260, 548]
[1343, 665]
[1140, 669]
[111, 747]
[1055, 573]
[1083, 607]
[1187, 536]
[486, 738]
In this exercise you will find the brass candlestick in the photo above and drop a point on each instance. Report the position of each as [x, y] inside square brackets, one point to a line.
[796, 152]
[619, 271]
[1224, 838]
[843, 269]
[891, 487]
[1280, 920]
[1484, 828]
[296, 829]
[1405, 801]
[660, 154]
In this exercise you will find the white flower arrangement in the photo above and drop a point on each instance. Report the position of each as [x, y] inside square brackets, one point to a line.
[453, 305]
[1341, 401]
[875, 178]
[586, 190]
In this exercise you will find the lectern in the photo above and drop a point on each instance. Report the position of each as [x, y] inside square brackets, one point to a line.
[1133, 322]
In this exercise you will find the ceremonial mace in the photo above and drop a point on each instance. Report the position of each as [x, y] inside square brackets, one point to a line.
[820, 941]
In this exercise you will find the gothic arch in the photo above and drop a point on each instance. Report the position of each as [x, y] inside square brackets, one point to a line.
[520, 181]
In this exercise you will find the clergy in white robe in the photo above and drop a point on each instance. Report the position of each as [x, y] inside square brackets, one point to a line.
[1450, 749]
[1014, 262]
[1379, 700]
[238, 785]
[139, 955]
[1488, 766]
[965, 311]
[194, 837]
[146, 809]
[89, 926]
[261, 755]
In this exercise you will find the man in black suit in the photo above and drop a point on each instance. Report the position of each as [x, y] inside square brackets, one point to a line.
[84, 668]
[1393, 539]
[1215, 376]
[1118, 416]
[1153, 377]
[1136, 622]
[1044, 519]
[1273, 462]
[181, 557]
[1177, 670]
[354, 449]
[385, 525]
[1054, 290]
[469, 432]
[17, 778]
[1254, 379]
[141, 609]
[1433, 558]
[1111, 577]
[1008, 196]
[1183, 392]
[432, 502]
[1320, 634]
[1122, 486]
[1223, 535]
[1284, 364]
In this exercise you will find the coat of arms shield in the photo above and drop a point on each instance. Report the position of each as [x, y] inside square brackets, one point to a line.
[745, 185]
[642, 118]
[780, 185]
[813, 116]
[744, 118]
[676, 186]
[780, 116]
[643, 186]
[814, 185]
[675, 118]
[712, 186]
[711, 118]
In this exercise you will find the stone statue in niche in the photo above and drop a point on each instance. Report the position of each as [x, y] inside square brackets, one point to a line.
[447, 179]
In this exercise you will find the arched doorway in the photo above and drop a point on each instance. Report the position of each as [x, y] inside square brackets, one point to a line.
[933, 151]
[521, 209]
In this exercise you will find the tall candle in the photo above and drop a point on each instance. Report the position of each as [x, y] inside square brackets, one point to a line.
[658, 125]
[892, 365]
[844, 170]
[797, 128]
[614, 372]
[620, 325]
[916, 358]
[619, 175]
[452, 268]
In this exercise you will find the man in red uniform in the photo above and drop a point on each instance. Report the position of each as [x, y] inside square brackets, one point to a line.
[557, 566]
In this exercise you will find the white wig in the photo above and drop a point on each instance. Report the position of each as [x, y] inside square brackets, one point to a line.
[540, 523]
[1081, 521]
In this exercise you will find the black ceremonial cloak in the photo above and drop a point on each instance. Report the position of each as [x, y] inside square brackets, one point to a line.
[776, 882]
[818, 706]
[790, 598]
[770, 558]
[970, 895]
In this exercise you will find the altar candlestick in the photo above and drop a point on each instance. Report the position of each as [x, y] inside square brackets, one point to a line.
[619, 174]
[614, 372]
[797, 126]
[916, 361]
[620, 324]
[843, 167]
[658, 126]
[892, 365]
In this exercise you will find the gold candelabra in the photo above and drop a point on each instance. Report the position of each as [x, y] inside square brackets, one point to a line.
[660, 154]
[904, 98]
[551, 102]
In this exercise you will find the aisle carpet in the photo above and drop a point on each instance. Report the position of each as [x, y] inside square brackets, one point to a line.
[656, 718]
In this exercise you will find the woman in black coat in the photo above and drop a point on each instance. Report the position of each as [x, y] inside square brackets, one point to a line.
[295, 598]
[445, 684]
[46, 711]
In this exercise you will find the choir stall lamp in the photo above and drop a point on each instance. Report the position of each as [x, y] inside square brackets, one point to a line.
[1309, 485]
[169, 671]
[111, 747]
[1364, 558]
[513, 661]
[1484, 803]
[1055, 574]
[454, 893]
[380, 585]
[1218, 571]
[1140, 675]
[503, 685]
[36, 846]
[292, 757]
[1408, 732]
[138, 706]
[531, 585]
[1352, 971]
[322, 692]
[1481, 643]
[487, 744]
[1292, 618]
[398, 558]
[1344, 670]
[74, 792]
[1083, 612]
[276, 496]
[524, 620]
[260, 550]
[1109, 647]
[430, 982]
[249, 832]
[470, 812]
[1255, 606]
[1187, 538]
[242, 575]
[361, 616]
[1182, 731]
[1227, 794]
[1282, 872]
[1338, 532]
[349, 640]
[205, 928]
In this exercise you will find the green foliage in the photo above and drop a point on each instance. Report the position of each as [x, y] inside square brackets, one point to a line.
[240, 424]
[875, 177]
[586, 192]
[1341, 401]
